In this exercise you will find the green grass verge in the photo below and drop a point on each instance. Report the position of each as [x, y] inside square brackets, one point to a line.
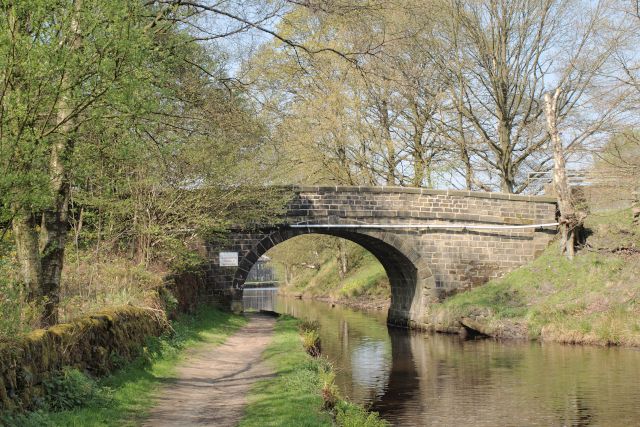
[128, 394]
[294, 396]
[592, 299]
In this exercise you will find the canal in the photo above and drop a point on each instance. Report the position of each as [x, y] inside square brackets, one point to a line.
[415, 379]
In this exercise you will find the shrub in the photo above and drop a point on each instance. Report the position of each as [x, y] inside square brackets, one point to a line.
[351, 415]
[330, 391]
[309, 325]
[71, 389]
[311, 342]
[30, 419]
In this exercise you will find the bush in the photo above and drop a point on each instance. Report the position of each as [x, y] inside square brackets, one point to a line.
[30, 419]
[309, 325]
[351, 415]
[311, 343]
[330, 391]
[71, 389]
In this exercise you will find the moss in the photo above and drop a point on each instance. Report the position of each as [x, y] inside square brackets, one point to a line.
[89, 343]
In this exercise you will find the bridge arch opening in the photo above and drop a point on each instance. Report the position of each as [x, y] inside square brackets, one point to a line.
[410, 280]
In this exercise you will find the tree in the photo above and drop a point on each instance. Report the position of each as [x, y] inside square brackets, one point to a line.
[373, 123]
[61, 63]
[570, 220]
[506, 55]
[74, 72]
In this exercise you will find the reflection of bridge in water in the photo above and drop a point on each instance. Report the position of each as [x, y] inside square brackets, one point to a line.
[261, 298]
[413, 378]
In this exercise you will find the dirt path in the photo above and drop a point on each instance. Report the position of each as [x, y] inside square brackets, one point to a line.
[212, 384]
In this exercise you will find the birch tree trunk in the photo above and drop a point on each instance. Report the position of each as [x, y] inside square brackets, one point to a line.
[342, 258]
[570, 220]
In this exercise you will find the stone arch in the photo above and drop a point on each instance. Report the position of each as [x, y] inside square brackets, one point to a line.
[411, 280]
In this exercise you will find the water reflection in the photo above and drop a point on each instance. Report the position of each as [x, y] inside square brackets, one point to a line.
[421, 379]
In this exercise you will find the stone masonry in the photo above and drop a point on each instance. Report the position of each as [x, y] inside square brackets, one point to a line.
[423, 265]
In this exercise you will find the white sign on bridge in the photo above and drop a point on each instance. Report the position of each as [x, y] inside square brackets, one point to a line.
[228, 259]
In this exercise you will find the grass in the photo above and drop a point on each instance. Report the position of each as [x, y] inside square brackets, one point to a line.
[366, 278]
[291, 397]
[89, 283]
[592, 299]
[129, 393]
[294, 396]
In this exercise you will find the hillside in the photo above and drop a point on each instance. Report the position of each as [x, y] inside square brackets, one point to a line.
[331, 269]
[594, 299]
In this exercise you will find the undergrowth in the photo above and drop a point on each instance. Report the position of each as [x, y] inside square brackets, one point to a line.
[123, 398]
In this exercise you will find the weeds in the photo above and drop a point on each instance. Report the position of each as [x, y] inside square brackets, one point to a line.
[311, 343]
[71, 389]
[309, 325]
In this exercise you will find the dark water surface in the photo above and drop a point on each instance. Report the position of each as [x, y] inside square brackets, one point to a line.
[416, 379]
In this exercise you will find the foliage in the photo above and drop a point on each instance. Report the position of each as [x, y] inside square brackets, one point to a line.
[330, 391]
[71, 389]
[350, 415]
[439, 95]
[309, 326]
[18, 314]
[89, 284]
[311, 342]
[116, 122]
[368, 279]
[365, 277]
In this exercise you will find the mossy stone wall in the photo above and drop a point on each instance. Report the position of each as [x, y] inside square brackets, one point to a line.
[96, 344]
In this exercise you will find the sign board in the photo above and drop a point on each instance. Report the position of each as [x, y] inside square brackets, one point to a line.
[228, 259]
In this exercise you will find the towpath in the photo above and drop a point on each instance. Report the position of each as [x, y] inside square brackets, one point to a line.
[213, 382]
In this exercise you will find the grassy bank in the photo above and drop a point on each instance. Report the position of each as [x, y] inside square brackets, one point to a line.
[123, 398]
[313, 270]
[593, 299]
[302, 392]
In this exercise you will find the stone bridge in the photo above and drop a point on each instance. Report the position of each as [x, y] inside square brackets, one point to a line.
[432, 243]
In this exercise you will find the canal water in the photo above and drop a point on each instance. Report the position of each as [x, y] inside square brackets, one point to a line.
[417, 379]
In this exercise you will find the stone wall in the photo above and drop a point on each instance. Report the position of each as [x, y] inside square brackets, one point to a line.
[423, 265]
[96, 344]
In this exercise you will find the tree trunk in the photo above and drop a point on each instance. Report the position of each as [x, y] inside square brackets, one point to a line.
[635, 207]
[570, 220]
[388, 141]
[41, 255]
[466, 160]
[28, 254]
[342, 258]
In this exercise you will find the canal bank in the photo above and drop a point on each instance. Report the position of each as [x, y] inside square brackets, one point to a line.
[593, 299]
[125, 397]
[413, 378]
[301, 392]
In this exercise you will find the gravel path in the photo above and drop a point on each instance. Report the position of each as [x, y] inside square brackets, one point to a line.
[213, 382]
